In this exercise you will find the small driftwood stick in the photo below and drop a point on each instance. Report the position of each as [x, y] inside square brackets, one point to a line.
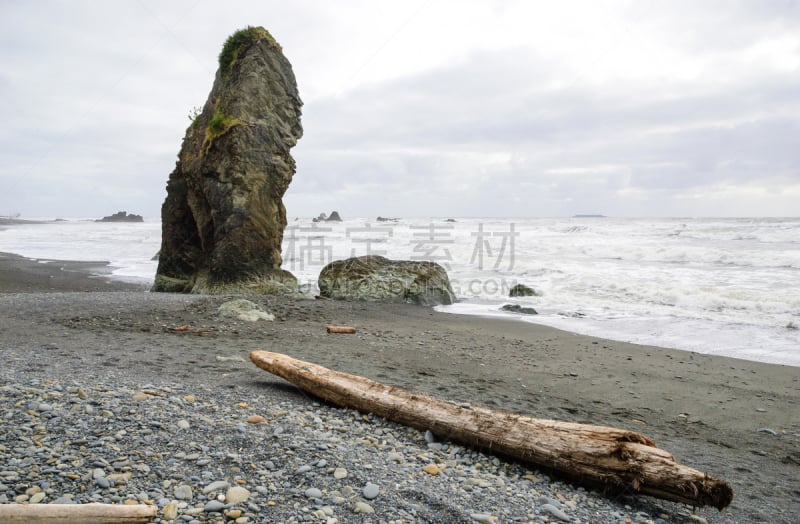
[348, 330]
[607, 457]
[77, 513]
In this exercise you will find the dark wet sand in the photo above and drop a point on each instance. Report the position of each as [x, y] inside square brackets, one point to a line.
[23, 275]
[706, 410]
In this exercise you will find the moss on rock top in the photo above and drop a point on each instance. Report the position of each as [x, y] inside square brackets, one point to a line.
[240, 40]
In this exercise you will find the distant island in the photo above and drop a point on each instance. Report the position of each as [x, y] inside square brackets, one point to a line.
[588, 216]
[121, 216]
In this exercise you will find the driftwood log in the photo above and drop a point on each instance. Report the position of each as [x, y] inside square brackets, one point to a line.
[597, 456]
[77, 513]
[347, 330]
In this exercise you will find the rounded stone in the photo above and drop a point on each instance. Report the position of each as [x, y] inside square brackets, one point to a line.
[313, 493]
[431, 469]
[215, 486]
[236, 495]
[102, 482]
[370, 491]
[183, 492]
[170, 511]
[339, 473]
[213, 506]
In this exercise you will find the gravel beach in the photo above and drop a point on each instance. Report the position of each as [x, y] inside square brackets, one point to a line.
[110, 393]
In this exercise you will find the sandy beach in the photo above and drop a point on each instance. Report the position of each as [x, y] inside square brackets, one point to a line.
[734, 419]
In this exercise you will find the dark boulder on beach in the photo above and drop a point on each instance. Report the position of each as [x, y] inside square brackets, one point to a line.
[223, 218]
[378, 279]
[516, 308]
[521, 290]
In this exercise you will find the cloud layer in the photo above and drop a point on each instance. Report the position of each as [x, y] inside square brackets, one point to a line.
[510, 109]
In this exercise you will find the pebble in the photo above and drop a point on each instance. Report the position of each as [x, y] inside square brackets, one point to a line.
[339, 473]
[557, 513]
[102, 482]
[431, 469]
[769, 431]
[217, 485]
[313, 493]
[370, 491]
[237, 495]
[483, 518]
[183, 492]
[213, 506]
[256, 419]
[170, 511]
[363, 507]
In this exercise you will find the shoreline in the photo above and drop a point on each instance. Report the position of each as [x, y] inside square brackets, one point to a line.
[19, 274]
[711, 412]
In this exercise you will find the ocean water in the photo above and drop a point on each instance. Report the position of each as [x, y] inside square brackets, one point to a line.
[717, 286]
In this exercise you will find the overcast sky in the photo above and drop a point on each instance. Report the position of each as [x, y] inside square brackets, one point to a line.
[420, 108]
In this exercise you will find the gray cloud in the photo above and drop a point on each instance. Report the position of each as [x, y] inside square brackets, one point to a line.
[673, 109]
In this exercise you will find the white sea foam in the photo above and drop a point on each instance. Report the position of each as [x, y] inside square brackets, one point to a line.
[719, 286]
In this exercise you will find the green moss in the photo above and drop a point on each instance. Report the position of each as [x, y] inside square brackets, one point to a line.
[257, 285]
[239, 41]
[219, 124]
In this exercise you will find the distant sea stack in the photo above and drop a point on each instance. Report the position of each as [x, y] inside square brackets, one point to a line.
[223, 218]
[122, 216]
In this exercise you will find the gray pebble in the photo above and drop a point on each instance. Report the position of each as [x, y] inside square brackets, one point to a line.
[183, 492]
[370, 491]
[102, 482]
[213, 505]
[313, 493]
[557, 513]
[547, 500]
[215, 486]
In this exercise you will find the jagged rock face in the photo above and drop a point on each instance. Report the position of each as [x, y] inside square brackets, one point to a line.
[223, 218]
[379, 279]
[521, 290]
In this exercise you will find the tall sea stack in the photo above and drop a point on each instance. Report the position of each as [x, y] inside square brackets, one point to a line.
[223, 218]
